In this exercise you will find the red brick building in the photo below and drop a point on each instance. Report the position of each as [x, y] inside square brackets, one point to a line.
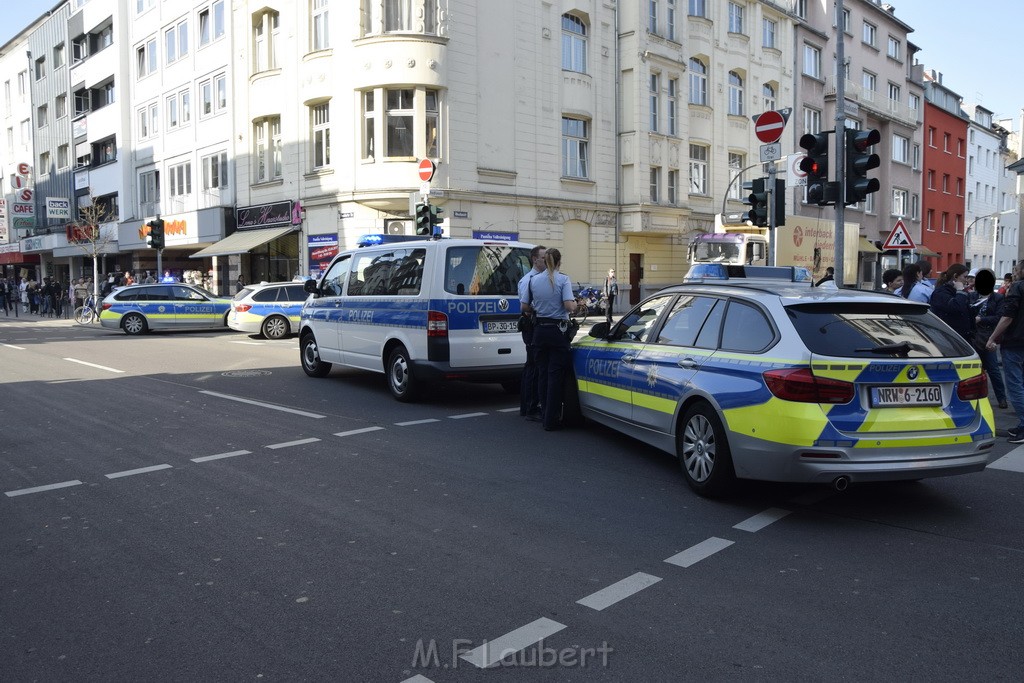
[945, 171]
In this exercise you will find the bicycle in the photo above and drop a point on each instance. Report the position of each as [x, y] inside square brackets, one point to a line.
[87, 313]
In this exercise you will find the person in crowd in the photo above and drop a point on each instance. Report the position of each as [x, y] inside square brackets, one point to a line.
[969, 285]
[892, 281]
[911, 276]
[81, 292]
[1009, 337]
[923, 289]
[950, 302]
[529, 391]
[550, 298]
[148, 278]
[129, 279]
[240, 283]
[13, 295]
[611, 292]
[830, 276]
[33, 296]
[1007, 281]
[3, 296]
[986, 317]
[58, 298]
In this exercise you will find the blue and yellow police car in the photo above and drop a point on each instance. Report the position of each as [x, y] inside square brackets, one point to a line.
[779, 381]
[270, 309]
[136, 309]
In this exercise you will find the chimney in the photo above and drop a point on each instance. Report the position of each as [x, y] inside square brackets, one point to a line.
[889, 8]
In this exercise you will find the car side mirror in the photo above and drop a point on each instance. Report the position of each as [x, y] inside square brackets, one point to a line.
[309, 287]
[600, 330]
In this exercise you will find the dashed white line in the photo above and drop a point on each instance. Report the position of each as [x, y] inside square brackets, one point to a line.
[415, 422]
[286, 444]
[364, 430]
[761, 520]
[39, 489]
[1012, 461]
[620, 590]
[465, 415]
[93, 365]
[492, 652]
[696, 553]
[248, 343]
[141, 470]
[418, 679]
[12, 346]
[261, 404]
[509, 410]
[207, 458]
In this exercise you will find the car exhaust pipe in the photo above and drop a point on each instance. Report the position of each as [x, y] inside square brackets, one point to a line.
[841, 483]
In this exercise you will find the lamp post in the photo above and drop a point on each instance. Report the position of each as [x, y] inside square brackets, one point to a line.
[967, 233]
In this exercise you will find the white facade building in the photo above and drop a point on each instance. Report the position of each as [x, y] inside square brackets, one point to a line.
[989, 242]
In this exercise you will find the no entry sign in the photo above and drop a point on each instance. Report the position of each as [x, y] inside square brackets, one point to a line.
[426, 170]
[769, 126]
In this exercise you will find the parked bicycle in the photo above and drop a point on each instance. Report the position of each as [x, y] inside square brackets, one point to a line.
[87, 313]
[589, 300]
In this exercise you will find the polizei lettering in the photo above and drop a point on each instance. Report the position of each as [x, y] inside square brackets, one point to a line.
[360, 316]
[472, 307]
[602, 368]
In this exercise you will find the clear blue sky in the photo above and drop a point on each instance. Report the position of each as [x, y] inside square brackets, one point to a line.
[972, 44]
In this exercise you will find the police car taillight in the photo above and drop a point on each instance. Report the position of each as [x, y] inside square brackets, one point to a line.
[437, 324]
[973, 389]
[241, 308]
[106, 307]
[800, 385]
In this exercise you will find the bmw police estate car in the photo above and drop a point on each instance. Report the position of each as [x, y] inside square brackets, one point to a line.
[137, 309]
[270, 308]
[784, 382]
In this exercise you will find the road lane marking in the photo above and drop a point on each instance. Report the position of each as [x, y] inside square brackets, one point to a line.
[141, 470]
[620, 590]
[492, 652]
[761, 520]
[207, 458]
[418, 679]
[465, 415]
[415, 422]
[12, 346]
[364, 430]
[696, 553]
[39, 489]
[1012, 461]
[286, 444]
[247, 343]
[261, 404]
[510, 410]
[93, 365]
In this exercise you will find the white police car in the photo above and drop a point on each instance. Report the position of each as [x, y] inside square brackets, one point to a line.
[270, 308]
[783, 382]
[136, 309]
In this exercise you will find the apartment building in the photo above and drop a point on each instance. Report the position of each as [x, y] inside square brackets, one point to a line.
[989, 241]
[945, 169]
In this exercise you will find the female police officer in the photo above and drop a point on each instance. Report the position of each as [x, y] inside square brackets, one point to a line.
[552, 302]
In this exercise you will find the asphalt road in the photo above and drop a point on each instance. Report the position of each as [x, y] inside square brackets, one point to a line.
[191, 506]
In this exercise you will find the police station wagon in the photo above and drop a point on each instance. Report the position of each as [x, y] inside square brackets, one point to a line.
[270, 309]
[136, 309]
[419, 311]
[782, 382]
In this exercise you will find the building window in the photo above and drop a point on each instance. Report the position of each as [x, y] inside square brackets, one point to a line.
[915, 158]
[83, 101]
[143, 5]
[894, 93]
[400, 118]
[869, 34]
[574, 44]
[959, 187]
[931, 180]
[22, 83]
[914, 102]
[736, 164]
[869, 81]
[673, 187]
[215, 171]
[40, 68]
[172, 112]
[673, 105]
[915, 204]
[698, 82]
[400, 15]
[320, 134]
[176, 42]
[768, 95]
[670, 19]
[185, 97]
[899, 202]
[698, 169]
[42, 116]
[58, 56]
[735, 18]
[869, 204]
[844, 21]
[145, 58]
[104, 95]
[575, 143]
[104, 152]
[404, 135]
[945, 183]
[147, 118]
[655, 182]
[267, 150]
[655, 100]
[812, 120]
[900, 149]
[812, 61]
[698, 8]
[433, 123]
[149, 193]
[44, 163]
[735, 94]
[894, 50]
[60, 106]
[266, 30]
[211, 23]
[369, 116]
[63, 156]
[213, 96]
[652, 14]
[321, 36]
[769, 31]
[945, 142]
[181, 179]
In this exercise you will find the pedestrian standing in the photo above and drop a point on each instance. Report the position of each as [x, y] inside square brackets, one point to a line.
[611, 292]
[529, 389]
[3, 295]
[892, 281]
[951, 302]
[986, 317]
[830, 276]
[923, 288]
[550, 294]
[1007, 281]
[1009, 337]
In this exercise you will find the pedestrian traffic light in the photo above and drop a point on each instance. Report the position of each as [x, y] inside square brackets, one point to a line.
[858, 162]
[815, 165]
[435, 220]
[155, 238]
[758, 201]
[423, 219]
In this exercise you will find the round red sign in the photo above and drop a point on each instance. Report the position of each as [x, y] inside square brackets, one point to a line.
[426, 170]
[769, 126]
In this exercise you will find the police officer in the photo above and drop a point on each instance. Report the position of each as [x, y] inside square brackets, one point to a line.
[529, 396]
[611, 291]
[549, 295]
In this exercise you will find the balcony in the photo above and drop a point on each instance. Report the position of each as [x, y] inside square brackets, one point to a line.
[874, 102]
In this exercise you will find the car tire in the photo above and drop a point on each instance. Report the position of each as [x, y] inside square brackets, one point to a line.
[401, 382]
[309, 352]
[703, 451]
[134, 324]
[275, 327]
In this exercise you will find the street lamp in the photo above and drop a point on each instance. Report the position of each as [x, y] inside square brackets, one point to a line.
[995, 232]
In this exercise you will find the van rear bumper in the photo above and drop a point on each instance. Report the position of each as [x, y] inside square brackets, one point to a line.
[432, 371]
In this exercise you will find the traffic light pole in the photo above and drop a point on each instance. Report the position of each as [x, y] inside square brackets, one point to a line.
[772, 198]
[840, 146]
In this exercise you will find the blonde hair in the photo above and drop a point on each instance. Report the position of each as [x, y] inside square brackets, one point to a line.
[553, 261]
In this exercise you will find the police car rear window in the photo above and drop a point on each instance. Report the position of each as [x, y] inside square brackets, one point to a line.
[485, 270]
[875, 331]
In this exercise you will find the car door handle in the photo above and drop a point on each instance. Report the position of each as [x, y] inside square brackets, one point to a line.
[688, 363]
[628, 359]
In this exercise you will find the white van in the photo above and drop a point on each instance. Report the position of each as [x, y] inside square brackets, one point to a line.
[419, 311]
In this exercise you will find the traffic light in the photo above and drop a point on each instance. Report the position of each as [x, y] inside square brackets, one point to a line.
[758, 200]
[155, 238]
[815, 165]
[423, 219]
[780, 202]
[435, 220]
[858, 162]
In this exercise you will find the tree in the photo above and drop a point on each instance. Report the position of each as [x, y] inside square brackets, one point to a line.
[91, 237]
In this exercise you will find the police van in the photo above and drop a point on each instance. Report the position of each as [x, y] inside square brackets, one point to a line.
[418, 311]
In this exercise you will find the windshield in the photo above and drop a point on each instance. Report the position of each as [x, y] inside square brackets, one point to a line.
[715, 251]
[875, 331]
[486, 270]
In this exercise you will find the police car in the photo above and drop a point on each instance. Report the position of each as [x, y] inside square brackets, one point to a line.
[270, 308]
[136, 309]
[783, 382]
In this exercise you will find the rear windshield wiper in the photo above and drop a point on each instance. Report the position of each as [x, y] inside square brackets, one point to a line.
[901, 349]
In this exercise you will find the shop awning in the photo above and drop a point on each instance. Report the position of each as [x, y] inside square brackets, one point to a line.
[868, 247]
[925, 251]
[243, 241]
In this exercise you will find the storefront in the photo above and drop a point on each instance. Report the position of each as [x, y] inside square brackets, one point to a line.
[14, 263]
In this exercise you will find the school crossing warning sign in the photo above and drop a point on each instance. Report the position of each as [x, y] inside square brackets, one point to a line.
[899, 238]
